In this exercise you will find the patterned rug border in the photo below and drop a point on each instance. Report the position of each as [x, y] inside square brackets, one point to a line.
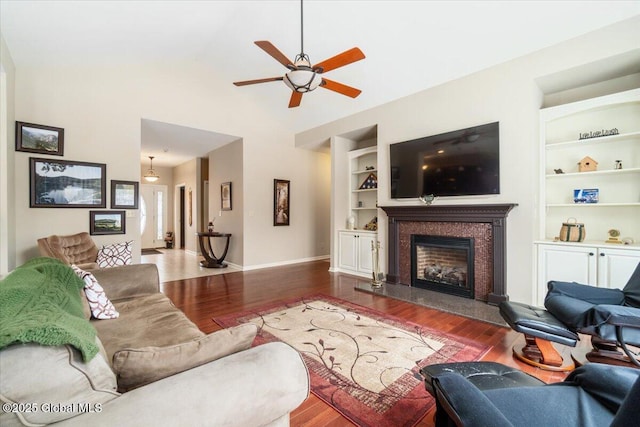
[470, 350]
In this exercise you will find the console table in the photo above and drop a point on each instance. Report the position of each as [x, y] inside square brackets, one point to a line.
[210, 259]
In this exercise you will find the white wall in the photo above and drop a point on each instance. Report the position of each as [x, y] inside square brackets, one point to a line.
[307, 236]
[506, 93]
[101, 108]
[226, 165]
[7, 132]
[187, 175]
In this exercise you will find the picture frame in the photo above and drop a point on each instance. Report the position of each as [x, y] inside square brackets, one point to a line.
[281, 199]
[66, 184]
[40, 139]
[226, 196]
[124, 194]
[107, 222]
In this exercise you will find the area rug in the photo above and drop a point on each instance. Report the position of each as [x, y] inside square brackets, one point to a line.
[150, 251]
[362, 362]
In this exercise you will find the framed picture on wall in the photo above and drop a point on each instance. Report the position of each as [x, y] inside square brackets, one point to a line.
[124, 194]
[225, 196]
[66, 184]
[41, 139]
[281, 214]
[106, 222]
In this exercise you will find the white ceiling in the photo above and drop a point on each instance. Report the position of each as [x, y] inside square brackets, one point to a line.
[409, 45]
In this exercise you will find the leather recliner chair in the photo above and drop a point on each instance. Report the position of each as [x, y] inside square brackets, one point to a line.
[610, 316]
[592, 395]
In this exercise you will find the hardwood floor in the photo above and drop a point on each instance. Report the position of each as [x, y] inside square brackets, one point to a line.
[203, 298]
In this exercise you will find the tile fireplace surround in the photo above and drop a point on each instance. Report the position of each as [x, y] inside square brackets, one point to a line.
[486, 224]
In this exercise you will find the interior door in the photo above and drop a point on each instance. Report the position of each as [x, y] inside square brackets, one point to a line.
[153, 215]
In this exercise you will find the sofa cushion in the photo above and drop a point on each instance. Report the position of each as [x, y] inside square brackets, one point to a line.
[53, 382]
[116, 254]
[140, 366]
[145, 321]
[101, 307]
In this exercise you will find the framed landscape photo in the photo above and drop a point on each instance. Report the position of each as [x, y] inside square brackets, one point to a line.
[225, 196]
[41, 139]
[66, 184]
[281, 202]
[106, 222]
[124, 194]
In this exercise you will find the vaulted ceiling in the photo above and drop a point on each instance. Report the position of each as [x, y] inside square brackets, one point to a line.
[409, 45]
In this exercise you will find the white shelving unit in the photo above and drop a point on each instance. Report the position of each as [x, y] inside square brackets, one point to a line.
[619, 189]
[593, 261]
[363, 202]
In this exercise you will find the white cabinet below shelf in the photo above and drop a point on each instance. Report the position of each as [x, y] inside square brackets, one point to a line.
[601, 265]
[354, 252]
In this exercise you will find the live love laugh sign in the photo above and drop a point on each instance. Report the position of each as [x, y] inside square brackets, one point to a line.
[599, 133]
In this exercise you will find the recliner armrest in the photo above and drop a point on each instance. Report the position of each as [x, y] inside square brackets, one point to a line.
[609, 384]
[465, 403]
[618, 315]
[586, 293]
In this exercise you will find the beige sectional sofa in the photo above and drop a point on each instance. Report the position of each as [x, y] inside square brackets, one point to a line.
[154, 368]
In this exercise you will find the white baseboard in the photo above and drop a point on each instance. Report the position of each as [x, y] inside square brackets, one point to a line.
[283, 263]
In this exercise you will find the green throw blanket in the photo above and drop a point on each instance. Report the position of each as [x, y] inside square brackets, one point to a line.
[40, 302]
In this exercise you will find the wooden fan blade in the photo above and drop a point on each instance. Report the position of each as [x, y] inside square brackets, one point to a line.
[252, 82]
[275, 53]
[296, 97]
[340, 60]
[340, 88]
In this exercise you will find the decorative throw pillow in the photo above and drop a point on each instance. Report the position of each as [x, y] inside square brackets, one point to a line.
[116, 254]
[137, 367]
[101, 307]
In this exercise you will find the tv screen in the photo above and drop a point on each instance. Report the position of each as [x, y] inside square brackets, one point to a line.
[460, 163]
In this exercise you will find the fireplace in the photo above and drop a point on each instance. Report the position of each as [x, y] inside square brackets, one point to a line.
[484, 224]
[443, 264]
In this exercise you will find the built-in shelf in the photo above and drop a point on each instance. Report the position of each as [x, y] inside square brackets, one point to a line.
[591, 141]
[365, 190]
[358, 172]
[619, 189]
[594, 173]
[364, 208]
[591, 205]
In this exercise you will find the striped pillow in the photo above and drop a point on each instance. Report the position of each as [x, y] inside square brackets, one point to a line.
[116, 254]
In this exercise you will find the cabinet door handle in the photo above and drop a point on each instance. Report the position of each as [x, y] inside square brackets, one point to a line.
[602, 254]
[591, 253]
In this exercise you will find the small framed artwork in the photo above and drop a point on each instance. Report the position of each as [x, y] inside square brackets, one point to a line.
[225, 196]
[66, 184]
[124, 194]
[40, 139]
[281, 214]
[106, 222]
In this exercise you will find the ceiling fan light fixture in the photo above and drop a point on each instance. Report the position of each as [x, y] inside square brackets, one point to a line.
[302, 80]
[151, 175]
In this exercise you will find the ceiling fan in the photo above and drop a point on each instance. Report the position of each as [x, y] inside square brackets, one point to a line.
[303, 77]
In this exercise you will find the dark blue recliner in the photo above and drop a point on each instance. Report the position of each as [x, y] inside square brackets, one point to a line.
[610, 316]
[592, 395]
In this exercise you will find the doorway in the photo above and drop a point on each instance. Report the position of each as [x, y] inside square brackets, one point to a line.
[153, 215]
[182, 216]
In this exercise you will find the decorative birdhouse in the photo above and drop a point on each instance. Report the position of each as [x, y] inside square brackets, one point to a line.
[587, 165]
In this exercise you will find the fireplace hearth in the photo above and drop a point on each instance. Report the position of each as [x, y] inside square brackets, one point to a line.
[443, 264]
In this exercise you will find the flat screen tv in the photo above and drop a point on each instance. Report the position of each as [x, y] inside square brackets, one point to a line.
[464, 162]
